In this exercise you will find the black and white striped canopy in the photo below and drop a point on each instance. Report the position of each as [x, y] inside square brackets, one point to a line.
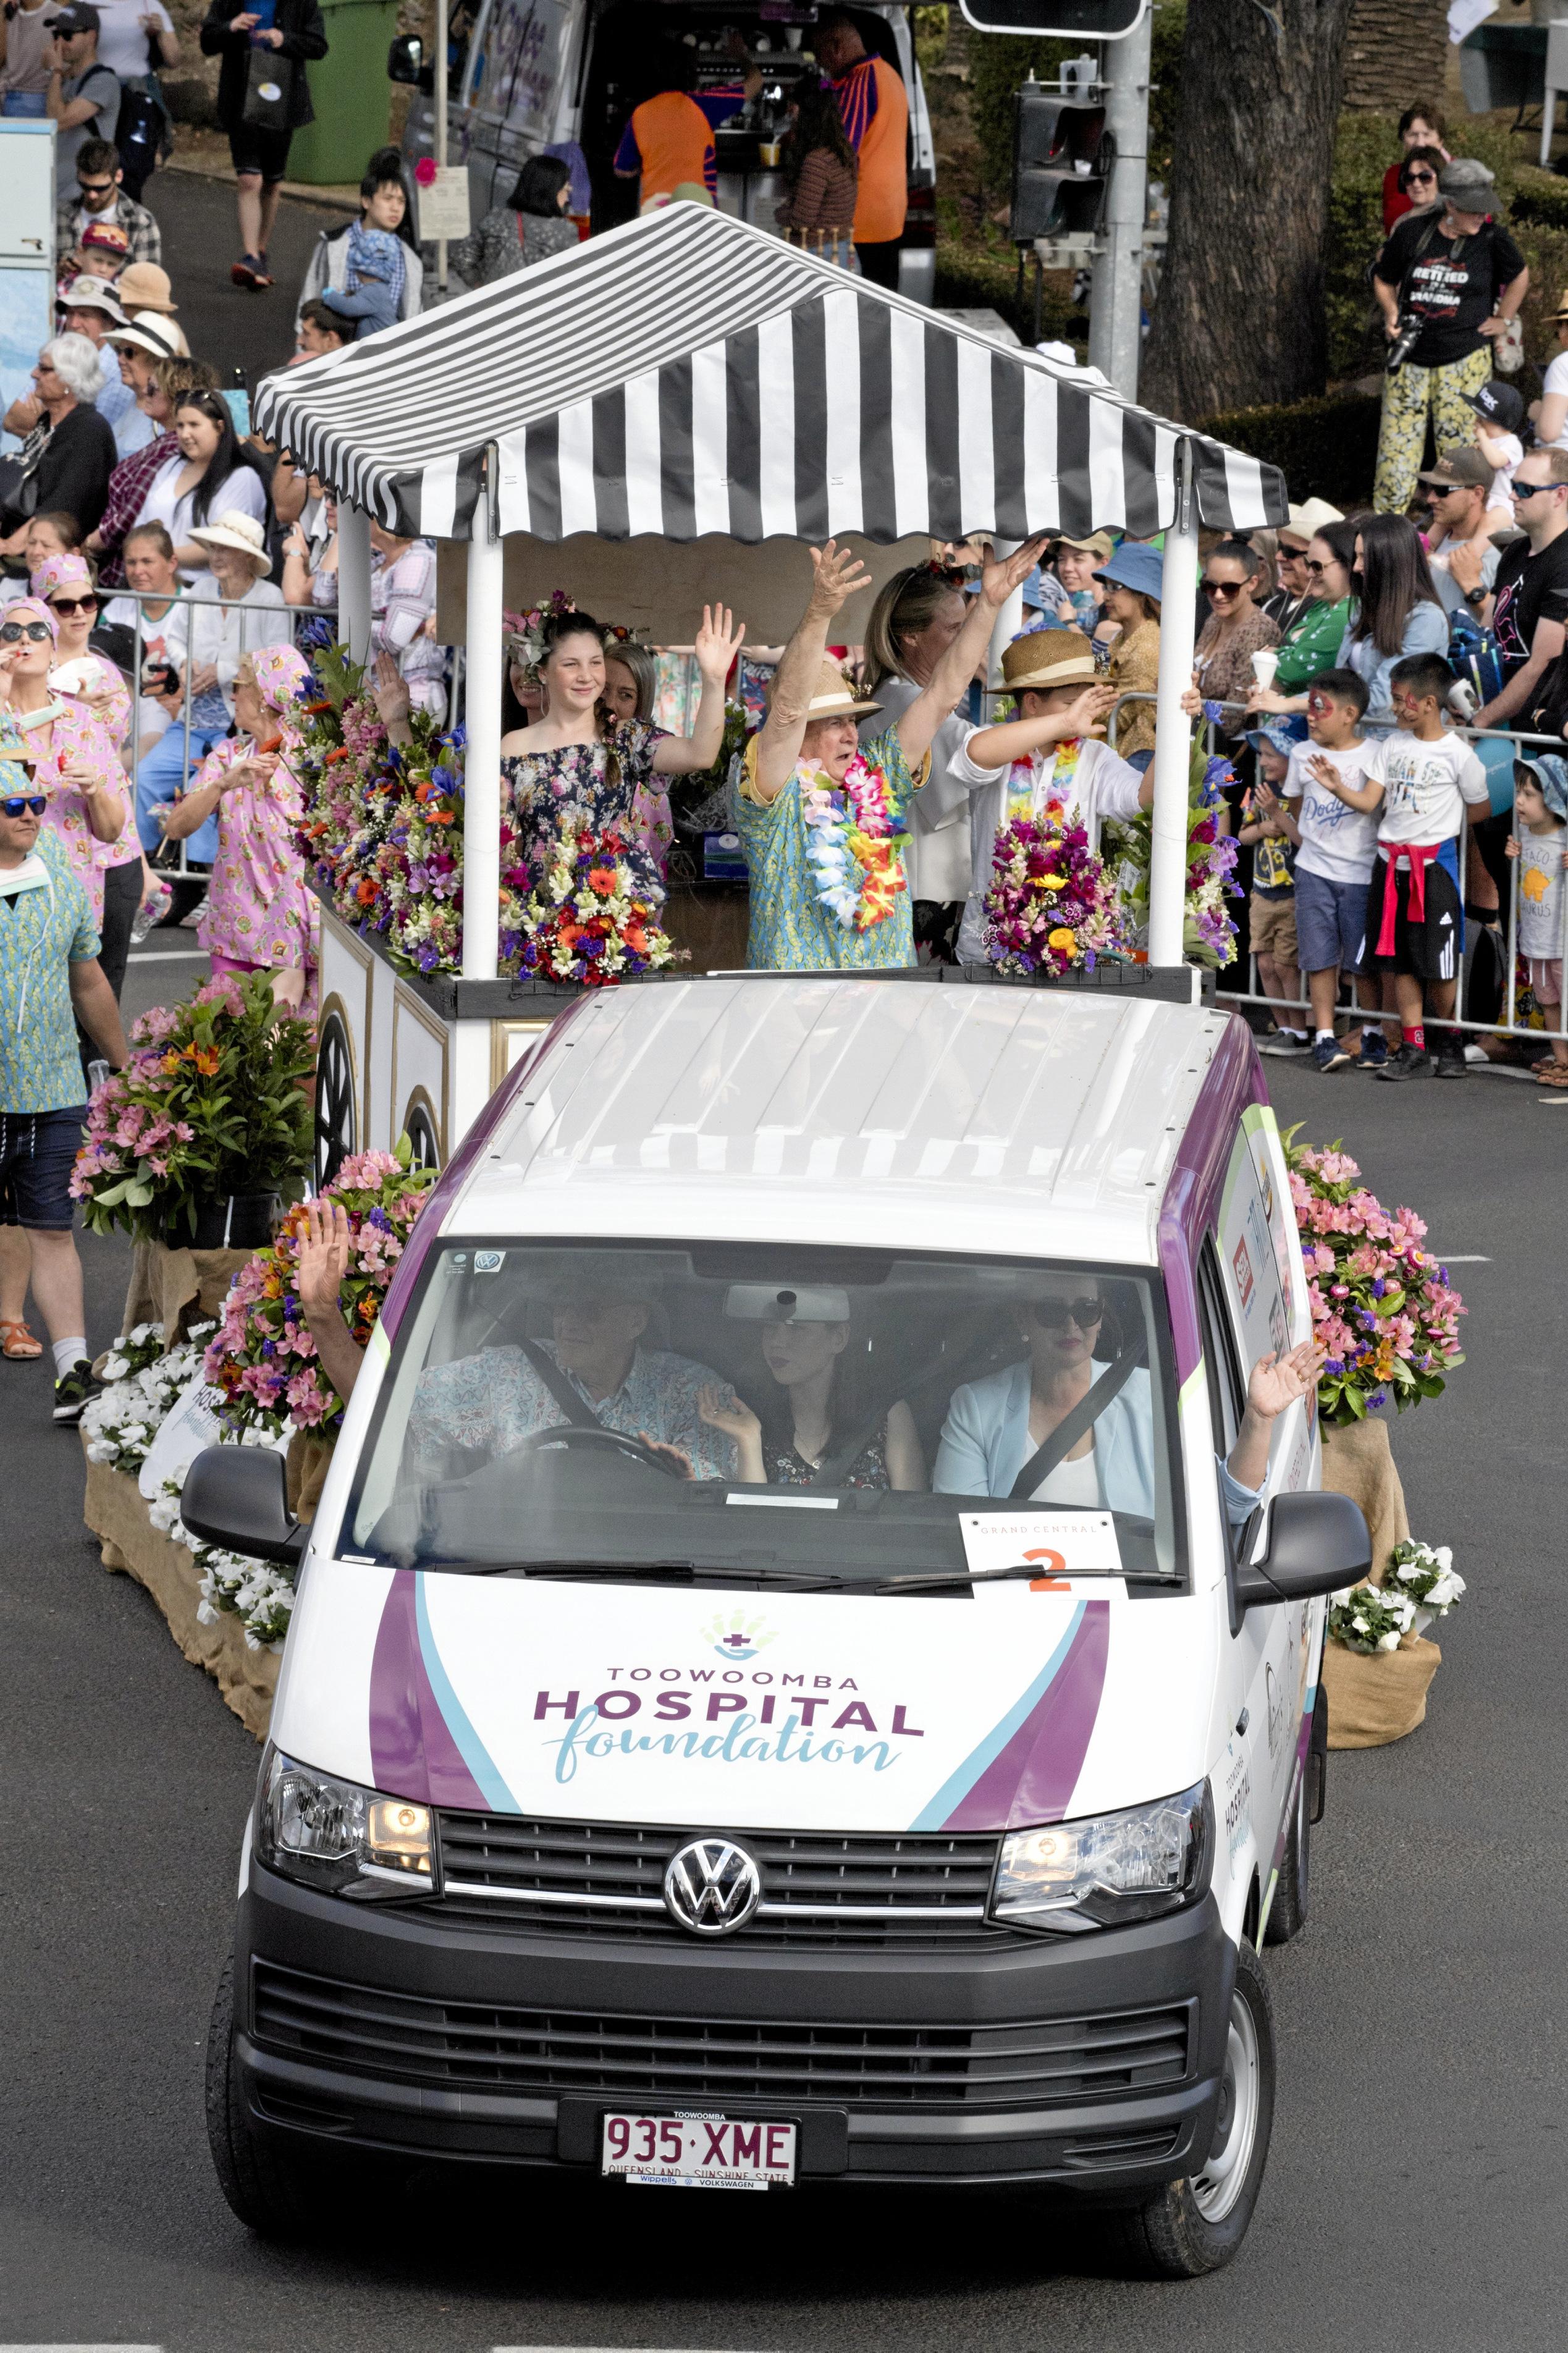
[688, 373]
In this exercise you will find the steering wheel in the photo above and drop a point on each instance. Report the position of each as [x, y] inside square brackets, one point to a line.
[615, 1441]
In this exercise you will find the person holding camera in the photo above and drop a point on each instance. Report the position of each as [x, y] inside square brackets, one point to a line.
[1448, 282]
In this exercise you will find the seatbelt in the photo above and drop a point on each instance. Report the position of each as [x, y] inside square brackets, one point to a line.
[577, 1409]
[1071, 1427]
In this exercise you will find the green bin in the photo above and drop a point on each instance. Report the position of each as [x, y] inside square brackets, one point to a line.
[350, 94]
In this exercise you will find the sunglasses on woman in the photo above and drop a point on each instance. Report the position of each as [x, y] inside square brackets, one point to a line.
[1421, 179]
[1054, 1315]
[1317, 570]
[13, 632]
[35, 804]
[1225, 587]
[66, 606]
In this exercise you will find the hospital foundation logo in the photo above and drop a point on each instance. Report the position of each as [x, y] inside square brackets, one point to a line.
[738, 1637]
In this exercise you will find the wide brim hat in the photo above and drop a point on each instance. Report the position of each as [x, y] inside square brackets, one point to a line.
[150, 332]
[1137, 567]
[1049, 658]
[235, 529]
[835, 698]
[93, 295]
[144, 286]
[1308, 518]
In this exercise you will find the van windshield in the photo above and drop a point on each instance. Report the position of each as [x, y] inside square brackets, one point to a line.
[855, 1416]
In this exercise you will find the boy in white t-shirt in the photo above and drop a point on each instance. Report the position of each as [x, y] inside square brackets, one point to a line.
[1331, 792]
[1541, 846]
[1049, 752]
[1499, 413]
[1415, 911]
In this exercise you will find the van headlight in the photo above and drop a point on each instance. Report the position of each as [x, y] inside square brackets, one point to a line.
[334, 1835]
[1109, 1870]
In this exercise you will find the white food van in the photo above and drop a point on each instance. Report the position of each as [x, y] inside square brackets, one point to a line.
[657, 1792]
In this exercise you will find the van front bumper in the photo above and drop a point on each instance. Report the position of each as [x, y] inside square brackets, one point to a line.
[1090, 2062]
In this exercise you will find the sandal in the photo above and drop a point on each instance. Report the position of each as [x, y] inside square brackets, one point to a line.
[17, 1342]
[1554, 1075]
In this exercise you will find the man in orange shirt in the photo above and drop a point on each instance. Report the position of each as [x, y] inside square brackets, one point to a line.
[668, 142]
[876, 110]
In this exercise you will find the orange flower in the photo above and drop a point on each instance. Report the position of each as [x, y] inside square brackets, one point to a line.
[602, 879]
[438, 817]
[366, 894]
[205, 1058]
[170, 1061]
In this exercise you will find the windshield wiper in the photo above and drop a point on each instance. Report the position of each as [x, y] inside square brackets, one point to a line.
[724, 1572]
[959, 1579]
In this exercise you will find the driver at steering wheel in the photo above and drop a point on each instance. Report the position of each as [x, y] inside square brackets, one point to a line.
[490, 1402]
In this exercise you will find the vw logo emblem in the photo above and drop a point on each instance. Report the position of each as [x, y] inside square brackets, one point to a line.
[712, 1887]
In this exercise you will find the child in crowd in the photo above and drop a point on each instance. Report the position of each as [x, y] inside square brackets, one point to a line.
[1414, 914]
[1271, 905]
[1499, 413]
[374, 287]
[103, 252]
[1541, 804]
[1332, 794]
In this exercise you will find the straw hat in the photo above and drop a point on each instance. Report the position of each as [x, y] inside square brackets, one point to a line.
[1049, 658]
[835, 698]
[148, 332]
[235, 528]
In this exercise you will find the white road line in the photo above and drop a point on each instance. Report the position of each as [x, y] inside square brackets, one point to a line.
[81, 2348]
[1447, 1257]
[158, 955]
[495, 2348]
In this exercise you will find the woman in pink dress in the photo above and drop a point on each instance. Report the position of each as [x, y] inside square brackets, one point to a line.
[259, 916]
[77, 764]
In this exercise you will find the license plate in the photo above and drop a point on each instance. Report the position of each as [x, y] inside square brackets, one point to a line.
[699, 2152]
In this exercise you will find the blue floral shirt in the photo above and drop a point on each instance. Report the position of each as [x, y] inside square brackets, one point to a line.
[791, 930]
[43, 932]
[496, 1399]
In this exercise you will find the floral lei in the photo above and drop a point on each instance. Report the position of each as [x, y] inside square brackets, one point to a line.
[848, 827]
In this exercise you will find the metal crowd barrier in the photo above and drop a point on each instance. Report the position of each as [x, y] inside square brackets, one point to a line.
[1384, 722]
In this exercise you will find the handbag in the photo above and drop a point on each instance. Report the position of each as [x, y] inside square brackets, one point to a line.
[18, 490]
[268, 90]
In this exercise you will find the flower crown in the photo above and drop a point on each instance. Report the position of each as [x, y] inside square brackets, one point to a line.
[525, 631]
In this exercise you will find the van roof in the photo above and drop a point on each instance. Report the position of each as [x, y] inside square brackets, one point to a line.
[775, 1107]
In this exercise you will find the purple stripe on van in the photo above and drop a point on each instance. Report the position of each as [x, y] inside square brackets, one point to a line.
[456, 1173]
[1033, 1778]
[1192, 1197]
[412, 1752]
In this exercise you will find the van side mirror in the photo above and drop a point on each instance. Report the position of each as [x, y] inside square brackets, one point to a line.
[238, 1497]
[1317, 1542]
[405, 59]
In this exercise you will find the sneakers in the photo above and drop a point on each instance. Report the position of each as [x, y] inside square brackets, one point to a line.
[1373, 1055]
[191, 919]
[1287, 1041]
[73, 1389]
[1410, 1062]
[1329, 1054]
[1451, 1058]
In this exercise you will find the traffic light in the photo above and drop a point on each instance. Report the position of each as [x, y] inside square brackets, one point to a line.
[1061, 158]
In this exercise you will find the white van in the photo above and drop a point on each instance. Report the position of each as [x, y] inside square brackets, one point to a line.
[530, 76]
[715, 1743]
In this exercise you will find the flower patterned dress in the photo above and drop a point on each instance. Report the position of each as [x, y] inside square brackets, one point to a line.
[543, 790]
[791, 928]
[259, 911]
[75, 733]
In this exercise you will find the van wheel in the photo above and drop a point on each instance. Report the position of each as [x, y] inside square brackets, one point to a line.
[1288, 1913]
[1196, 2224]
[266, 2189]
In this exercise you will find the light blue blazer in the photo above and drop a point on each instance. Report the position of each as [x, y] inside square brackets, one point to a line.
[985, 1444]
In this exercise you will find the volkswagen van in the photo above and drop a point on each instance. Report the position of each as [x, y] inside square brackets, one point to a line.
[718, 1742]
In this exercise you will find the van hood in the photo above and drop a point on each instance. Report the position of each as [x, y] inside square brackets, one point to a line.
[989, 1711]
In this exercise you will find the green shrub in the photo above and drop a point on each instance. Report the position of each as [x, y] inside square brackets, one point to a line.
[1324, 448]
[974, 277]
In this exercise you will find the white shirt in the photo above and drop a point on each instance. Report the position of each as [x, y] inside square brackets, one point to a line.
[937, 858]
[1102, 786]
[1555, 380]
[1337, 841]
[1074, 1485]
[1425, 788]
[242, 493]
[122, 45]
[1498, 497]
[224, 639]
[1540, 891]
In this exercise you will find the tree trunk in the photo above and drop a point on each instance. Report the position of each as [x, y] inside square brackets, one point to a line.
[1397, 55]
[1239, 319]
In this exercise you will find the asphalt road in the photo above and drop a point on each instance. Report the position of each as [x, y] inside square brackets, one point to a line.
[1416, 2186]
[223, 323]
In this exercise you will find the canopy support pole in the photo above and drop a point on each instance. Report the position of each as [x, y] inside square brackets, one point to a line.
[353, 580]
[1010, 621]
[1172, 739]
[481, 760]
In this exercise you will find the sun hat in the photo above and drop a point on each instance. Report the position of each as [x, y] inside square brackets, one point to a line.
[1306, 520]
[1047, 658]
[835, 698]
[1467, 184]
[146, 331]
[1280, 735]
[62, 571]
[1137, 567]
[142, 286]
[1461, 469]
[235, 528]
[92, 294]
[1551, 772]
[1099, 544]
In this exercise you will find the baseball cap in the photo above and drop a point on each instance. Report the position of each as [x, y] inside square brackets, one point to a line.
[79, 17]
[1500, 404]
[1461, 469]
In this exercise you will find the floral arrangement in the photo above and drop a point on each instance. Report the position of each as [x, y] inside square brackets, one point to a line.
[1425, 1573]
[1383, 1311]
[1209, 932]
[143, 1387]
[1367, 1620]
[212, 1101]
[383, 829]
[525, 631]
[855, 837]
[261, 1358]
[259, 1593]
[586, 910]
[1050, 906]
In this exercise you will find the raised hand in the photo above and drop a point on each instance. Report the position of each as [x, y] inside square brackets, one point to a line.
[840, 574]
[717, 643]
[736, 1419]
[1000, 576]
[1278, 1381]
[1086, 716]
[323, 1256]
[389, 692]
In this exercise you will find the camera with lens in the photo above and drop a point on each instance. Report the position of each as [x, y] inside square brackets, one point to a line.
[1406, 335]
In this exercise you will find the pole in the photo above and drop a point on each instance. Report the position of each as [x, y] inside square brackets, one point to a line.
[1172, 736]
[353, 580]
[1115, 313]
[442, 37]
[481, 759]
[1008, 622]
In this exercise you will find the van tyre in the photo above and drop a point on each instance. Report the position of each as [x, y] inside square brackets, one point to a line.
[265, 2188]
[1287, 1912]
[1196, 2225]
